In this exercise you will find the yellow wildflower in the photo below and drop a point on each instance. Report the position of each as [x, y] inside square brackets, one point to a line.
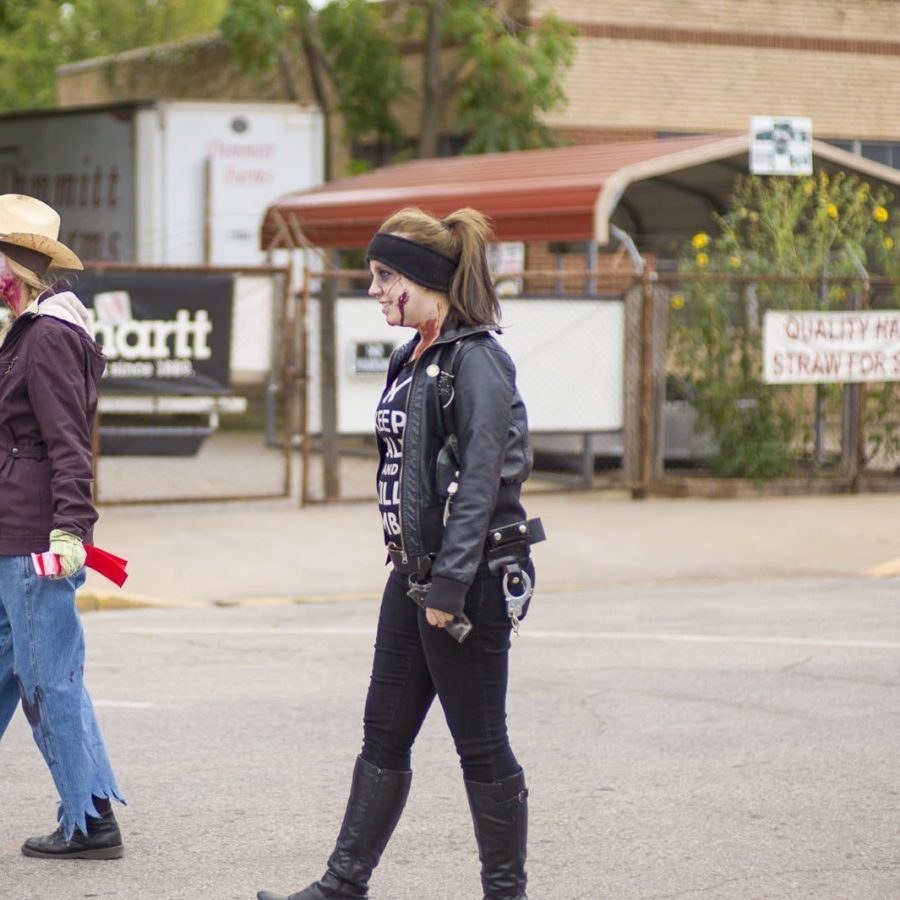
[754, 215]
[677, 302]
[742, 212]
[699, 240]
[832, 211]
[734, 262]
[881, 214]
[808, 186]
[702, 260]
[888, 243]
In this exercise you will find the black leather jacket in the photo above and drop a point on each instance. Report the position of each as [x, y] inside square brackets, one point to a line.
[493, 458]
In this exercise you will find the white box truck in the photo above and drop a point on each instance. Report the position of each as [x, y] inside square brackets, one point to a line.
[163, 182]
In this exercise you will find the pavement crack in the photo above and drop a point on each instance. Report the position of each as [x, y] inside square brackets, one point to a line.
[796, 665]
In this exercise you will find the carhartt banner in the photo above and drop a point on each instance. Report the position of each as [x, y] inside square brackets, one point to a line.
[825, 347]
[162, 333]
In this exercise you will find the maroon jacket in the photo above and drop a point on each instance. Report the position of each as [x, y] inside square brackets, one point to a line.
[49, 372]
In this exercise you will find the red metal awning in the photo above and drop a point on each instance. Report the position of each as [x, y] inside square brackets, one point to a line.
[654, 188]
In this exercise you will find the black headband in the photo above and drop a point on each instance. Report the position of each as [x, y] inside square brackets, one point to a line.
[416, 261]
[33, 260]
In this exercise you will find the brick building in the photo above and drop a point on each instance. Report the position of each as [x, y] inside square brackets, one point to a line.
[643, 68]
[646, 68]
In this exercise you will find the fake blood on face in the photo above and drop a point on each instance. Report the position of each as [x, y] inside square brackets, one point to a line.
[402, 300]
[11, 293]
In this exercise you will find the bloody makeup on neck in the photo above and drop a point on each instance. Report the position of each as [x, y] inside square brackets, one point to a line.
[429, 331]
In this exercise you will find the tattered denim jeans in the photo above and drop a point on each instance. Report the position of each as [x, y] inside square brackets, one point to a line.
[42, 662]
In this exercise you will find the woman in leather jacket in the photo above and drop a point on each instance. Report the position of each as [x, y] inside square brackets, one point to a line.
[50, 367]
[453, 445]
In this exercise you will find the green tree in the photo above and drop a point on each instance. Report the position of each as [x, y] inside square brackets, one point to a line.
[40, 35]
[824, 233]
[485, 72]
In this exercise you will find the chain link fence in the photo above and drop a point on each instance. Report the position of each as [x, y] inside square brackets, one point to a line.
[779, 377]
[192, 403]
[565, 331]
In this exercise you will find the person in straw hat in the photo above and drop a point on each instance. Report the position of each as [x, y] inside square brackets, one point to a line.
[50, 366]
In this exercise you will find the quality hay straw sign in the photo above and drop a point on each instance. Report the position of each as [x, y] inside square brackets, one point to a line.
[826, 347]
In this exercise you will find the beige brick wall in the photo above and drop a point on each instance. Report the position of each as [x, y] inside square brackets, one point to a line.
[872, 19]
[621, 84]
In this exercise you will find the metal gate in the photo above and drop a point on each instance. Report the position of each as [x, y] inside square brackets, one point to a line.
[192, 403]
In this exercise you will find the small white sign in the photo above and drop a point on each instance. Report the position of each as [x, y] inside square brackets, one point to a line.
[507, 258]
[831, 347]
[780, 146]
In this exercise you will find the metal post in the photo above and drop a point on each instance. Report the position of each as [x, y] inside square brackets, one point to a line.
[646, 385]
[303, 372]
[272, 388]
[587, 459]
[592, 256]
[820, 393]
[820, 426]
[328, 368]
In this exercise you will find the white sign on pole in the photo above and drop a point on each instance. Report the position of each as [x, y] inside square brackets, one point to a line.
[831, 347]
[507, 258]
[780, 146]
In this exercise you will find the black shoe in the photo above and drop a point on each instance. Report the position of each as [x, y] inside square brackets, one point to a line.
[326, 888]
[103, 841]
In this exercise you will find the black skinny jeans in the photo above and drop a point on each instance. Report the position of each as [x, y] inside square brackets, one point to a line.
[415, 661]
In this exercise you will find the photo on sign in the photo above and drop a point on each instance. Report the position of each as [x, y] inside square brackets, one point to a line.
[780, 146]
[112, 307]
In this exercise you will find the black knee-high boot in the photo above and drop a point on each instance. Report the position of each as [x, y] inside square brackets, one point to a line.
[377, 798]
[500, 815]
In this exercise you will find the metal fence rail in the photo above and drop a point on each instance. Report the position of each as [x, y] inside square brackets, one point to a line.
[568, 345]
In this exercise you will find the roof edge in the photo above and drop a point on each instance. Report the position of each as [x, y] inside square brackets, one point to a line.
[618, 182]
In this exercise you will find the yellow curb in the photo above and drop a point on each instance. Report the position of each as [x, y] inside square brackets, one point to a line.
[888, 569]
[91, 602]
[291, 601]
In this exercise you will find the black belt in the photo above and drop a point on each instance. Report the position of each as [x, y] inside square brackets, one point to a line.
[511, 542]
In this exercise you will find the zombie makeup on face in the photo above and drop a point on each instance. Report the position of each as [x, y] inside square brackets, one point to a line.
[385, 283]
[12, 293]
[415, 306]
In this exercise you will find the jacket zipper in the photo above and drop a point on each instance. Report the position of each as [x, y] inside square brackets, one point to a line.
[403, 554]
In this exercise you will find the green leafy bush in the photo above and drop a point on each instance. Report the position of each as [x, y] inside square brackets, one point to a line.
[818, 236]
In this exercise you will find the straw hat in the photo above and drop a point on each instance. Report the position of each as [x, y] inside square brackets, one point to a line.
[29, 223]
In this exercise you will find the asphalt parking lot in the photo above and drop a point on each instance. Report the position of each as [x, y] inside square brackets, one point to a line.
[727, 735]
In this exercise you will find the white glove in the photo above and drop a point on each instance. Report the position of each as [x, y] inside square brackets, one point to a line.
[70, 550]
